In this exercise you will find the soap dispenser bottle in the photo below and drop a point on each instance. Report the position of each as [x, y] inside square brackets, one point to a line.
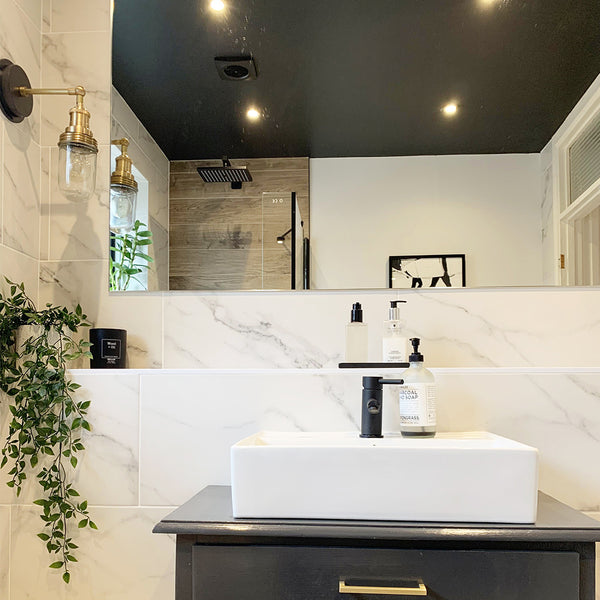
[394, 342]
[357, 337]
[417, 397]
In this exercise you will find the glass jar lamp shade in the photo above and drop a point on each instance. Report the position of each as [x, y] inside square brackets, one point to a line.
[76, 171]
[122, 208]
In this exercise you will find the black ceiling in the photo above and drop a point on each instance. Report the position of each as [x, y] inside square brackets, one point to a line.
[355, 77]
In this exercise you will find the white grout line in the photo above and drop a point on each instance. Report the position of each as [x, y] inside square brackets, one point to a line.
[336, 371]
[10, 548]
[116, 506]
[139, 470]
[84, 31]
[162, 330]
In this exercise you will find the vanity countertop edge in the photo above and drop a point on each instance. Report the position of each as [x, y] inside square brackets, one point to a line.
[209, 513]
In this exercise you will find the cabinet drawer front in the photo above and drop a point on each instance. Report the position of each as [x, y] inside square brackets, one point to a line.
[315, 573]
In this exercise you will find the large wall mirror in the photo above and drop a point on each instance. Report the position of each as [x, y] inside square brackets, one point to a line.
[278, 144]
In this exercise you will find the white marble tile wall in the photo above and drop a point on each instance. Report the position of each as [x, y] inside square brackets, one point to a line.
[20, 42]
[161, 436]
[470, 328]
[75, 51]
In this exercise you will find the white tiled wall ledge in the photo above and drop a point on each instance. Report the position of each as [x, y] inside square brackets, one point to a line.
[357, 291]
[332, 371]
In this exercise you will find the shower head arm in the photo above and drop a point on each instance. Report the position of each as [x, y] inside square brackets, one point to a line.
[281, 238]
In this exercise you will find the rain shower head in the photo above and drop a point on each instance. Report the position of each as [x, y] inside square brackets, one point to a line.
[225, 174]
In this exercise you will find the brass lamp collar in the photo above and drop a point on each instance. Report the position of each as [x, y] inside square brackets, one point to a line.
[78, 132]
[122, 174]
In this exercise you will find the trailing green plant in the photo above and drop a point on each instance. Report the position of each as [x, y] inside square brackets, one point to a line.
[126, 256]
[46, 421]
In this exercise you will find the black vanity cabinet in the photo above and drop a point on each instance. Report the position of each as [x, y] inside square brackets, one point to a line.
[222, 558]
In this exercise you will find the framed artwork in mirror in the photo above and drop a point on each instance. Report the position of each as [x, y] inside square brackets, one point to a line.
[430, 270]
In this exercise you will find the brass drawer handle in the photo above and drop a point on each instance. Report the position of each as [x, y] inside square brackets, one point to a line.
[421, 590]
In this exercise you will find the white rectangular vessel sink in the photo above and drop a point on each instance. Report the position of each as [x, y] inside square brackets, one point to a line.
[460, 477]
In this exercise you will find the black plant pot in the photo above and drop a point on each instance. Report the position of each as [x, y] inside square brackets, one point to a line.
[109, 348]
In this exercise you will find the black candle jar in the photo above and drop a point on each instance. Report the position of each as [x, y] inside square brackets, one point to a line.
[109, 348]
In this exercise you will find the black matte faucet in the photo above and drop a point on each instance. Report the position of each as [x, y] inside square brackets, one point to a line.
[372, 405]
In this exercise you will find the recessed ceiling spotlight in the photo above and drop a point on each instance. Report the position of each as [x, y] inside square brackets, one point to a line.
[450, 109]
[217, 5]
[253, 114]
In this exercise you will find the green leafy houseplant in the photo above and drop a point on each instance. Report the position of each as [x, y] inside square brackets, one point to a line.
[46, 421]
[126, 256]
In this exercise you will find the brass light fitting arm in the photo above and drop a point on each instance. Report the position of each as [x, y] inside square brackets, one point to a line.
[16, 103]
[76, 91]
[123, 142]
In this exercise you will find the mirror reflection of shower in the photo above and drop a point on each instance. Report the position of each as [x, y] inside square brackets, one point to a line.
[281, 238]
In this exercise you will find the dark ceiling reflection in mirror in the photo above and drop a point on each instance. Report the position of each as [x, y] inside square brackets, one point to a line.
[359, 79]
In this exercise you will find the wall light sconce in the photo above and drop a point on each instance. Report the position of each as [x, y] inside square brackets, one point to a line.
[77, 147]
[281, 238]
[123, 191]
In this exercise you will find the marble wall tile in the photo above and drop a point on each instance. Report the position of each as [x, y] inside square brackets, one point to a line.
[159, 197]
[108, 470]
[199, 417]
[141, 316]
[4, 551]
[21, 189]
[253, 331]
[107, 473]
[71, 282]
[33, 9]
[46, 16]
[474, 328]
[558, 413]
[86, 282]
[79, 230]
[45, 200]
[91, 15]
[123, 115]
[152, 150]
[19, 268]
[123, 560]
[70, 59]
[20, 42]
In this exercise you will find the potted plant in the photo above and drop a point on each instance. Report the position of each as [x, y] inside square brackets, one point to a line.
[127, 258]
[46, 420]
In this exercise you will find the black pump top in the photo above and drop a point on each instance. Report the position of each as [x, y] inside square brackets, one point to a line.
[416, 356]
[356, 314]
[394, 303]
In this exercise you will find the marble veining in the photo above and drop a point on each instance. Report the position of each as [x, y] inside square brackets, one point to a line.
[109, 469]
[21, 190]
[123, 559]
[77, 230]
[254, 339]
[70, 59]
